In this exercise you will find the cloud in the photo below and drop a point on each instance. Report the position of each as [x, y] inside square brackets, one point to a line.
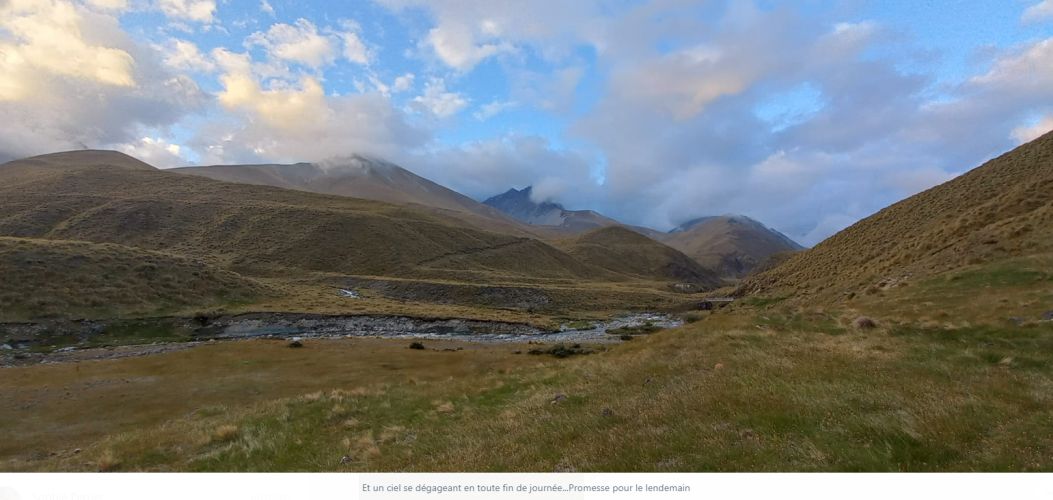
[1028, 133]
[484, 168]
[438, 101]
[294, 119]
[300, 43]
[467, 32]
[403, 82]
[155, 151]
[184, 55]
[53, 39]
[303, 43]
[201, 11]
[112, 5]
[70, 78]
[493, 108]
[1041, 11]
[456, 47]
[266, 8]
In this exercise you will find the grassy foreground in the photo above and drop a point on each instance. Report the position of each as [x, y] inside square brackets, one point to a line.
[747, 390]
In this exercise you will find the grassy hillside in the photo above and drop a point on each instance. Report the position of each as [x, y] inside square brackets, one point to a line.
[625, 251]
[300, 244]
[730, 245]
[1002, 209]
[368, 179]
[49, 278]
[256, 229]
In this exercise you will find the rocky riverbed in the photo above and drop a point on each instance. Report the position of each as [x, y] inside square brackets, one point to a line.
[28, 343]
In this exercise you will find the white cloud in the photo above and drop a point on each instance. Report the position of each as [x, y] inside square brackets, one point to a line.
[403, 82]
[112, 5]
[266, 8]
[299, 42]
[1031, 67]
[295, 120]
[1030, 132]
[185, 55]
[493, 108]
[1042, 11]
[71, 78]
[438, 101]
[458, 49]
[303, 43]
[201, 11]
[354, 49]
[48, 39]
[468, 32]
[155, 151]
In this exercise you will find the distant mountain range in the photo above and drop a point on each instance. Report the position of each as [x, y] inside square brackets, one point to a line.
[730, 245]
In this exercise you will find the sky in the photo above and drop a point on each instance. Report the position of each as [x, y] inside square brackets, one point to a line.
[806, 115]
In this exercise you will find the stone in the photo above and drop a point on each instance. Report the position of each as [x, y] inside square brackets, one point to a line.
[559, 398]
[296, 342]
[607, 412]
[1048, 316]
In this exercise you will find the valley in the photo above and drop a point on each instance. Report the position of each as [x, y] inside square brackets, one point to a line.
[162, 321]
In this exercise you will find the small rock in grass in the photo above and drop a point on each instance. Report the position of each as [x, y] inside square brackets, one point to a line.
[417, 345]
[1048, 316]
[607, 412]
[864, 323]
[559, 398]
[296, 342]
[346, 459]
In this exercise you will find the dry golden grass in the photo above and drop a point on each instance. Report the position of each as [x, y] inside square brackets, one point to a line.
[999, 210]
[623, 251]
[52, 278]
[190, 231]
[735, 391]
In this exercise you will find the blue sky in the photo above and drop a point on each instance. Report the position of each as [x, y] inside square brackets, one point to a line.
[805, 115]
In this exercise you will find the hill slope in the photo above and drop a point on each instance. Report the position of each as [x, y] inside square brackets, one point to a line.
[999, 210]
[731, 245]
[368, 179]
[74, 278]
[109, 197]
[625, 251]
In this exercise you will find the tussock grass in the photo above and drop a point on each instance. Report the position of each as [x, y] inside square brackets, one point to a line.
[718, 394]
[1000, 210]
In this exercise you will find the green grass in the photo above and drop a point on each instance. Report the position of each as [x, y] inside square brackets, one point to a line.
[719, 394]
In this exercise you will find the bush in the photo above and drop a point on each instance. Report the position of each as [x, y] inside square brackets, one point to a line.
[692, 317]
[561, 351]
[417, 345]
[864, 323]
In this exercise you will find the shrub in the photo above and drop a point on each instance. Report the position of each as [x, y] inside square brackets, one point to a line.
[864, 323]
[417, 345]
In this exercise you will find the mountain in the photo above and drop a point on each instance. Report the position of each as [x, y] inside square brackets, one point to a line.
[108, 197]
[625, 251]
[518, 204]
[366, 178]
[731, 245]
[103, 232]
[997, 212]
